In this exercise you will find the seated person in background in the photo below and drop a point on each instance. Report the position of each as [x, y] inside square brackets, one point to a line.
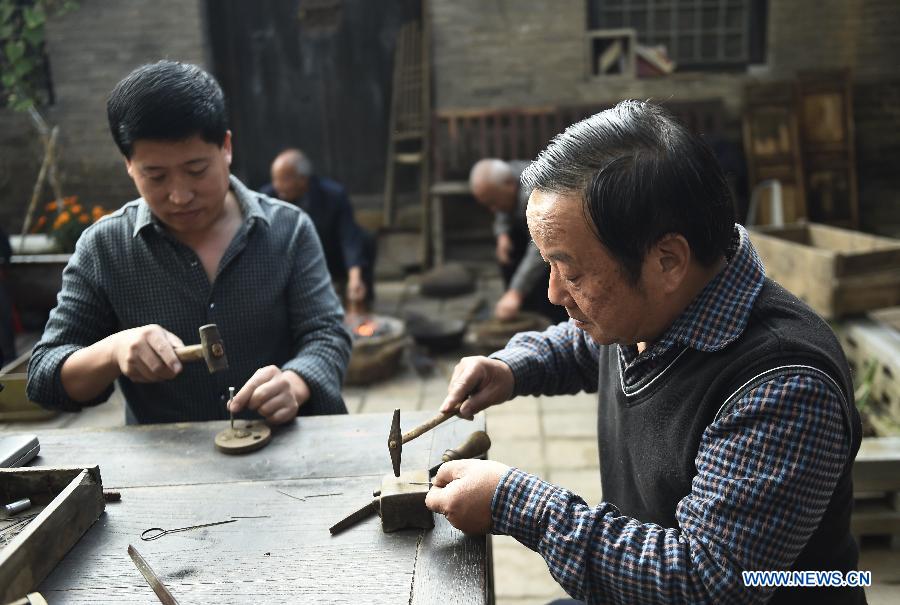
[495, 185]
[198, 247]
[349, 249]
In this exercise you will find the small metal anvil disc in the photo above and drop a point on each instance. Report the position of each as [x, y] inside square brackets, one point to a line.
[245, 437]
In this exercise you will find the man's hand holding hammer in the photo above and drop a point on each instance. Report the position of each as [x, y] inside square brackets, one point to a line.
[462, 489]
[150, 354]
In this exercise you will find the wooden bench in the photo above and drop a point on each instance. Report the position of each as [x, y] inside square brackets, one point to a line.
[461, 137]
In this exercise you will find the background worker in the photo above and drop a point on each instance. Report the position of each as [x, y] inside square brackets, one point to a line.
[349, 249]
[495, 185]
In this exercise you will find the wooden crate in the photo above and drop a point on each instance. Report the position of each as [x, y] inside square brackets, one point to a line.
[68, 500]
[14, 404]
[836, 271]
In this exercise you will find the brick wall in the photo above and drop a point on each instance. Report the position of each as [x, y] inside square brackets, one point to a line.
[90, 49]
[505, 53]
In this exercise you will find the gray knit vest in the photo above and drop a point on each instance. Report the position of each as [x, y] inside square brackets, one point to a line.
[649, 439]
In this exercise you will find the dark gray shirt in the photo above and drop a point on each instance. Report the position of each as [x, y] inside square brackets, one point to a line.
[272, 300]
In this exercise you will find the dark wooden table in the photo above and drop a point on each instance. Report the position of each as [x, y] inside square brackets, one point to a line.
[171, 476]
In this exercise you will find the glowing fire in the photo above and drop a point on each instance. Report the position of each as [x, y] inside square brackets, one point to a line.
[367, 328]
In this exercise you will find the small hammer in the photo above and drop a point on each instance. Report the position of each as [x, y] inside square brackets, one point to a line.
[211, 349]
[396, 439]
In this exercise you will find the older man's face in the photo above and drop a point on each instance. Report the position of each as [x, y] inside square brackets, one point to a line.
[495, 197]
[288, 184]
[584, 277]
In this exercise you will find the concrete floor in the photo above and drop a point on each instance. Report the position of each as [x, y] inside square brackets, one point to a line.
[554, 437]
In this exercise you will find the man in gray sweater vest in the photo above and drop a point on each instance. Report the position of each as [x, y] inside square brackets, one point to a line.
[727, 428]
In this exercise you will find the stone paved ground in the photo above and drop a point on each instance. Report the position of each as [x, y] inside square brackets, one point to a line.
[554, 437]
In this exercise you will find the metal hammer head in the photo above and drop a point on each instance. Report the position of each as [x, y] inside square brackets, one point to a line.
[395, 442]
[213, 348]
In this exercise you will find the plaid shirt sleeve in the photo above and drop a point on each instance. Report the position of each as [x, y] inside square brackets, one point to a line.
[560, 360]
[766, 470]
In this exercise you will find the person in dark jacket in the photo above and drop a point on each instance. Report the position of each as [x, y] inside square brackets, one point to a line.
[349, 249]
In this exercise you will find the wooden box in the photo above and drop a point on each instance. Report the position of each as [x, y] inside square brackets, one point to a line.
[14, 403]
[836, 271]
[67, 502]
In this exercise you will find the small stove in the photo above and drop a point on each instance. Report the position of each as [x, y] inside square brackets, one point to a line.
[378, 344]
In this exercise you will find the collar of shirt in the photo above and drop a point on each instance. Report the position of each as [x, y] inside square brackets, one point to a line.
[717, 316]
[247, 200]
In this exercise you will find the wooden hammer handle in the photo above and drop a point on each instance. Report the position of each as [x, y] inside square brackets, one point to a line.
[427, 426]
[189, 353]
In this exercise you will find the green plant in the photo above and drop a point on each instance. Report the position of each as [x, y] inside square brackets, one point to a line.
[22, 29]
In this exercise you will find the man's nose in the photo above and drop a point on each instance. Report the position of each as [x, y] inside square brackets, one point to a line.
[181, 195]
[557, 292]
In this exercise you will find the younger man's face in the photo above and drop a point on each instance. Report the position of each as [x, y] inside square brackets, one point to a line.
[183, 182]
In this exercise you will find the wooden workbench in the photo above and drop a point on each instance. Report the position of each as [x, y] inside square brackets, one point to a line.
[171, 476]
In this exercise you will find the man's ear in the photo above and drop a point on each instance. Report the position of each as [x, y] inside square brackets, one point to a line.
[129, 167]
[671, 259]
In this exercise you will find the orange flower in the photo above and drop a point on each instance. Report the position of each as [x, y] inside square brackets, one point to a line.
[70, 201]
[61, 220]
[97, 212]
[50, 206]
[76, 209]
[42, 220]
[83, 218]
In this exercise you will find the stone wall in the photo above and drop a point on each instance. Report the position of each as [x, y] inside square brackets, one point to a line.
[506, 53]
[89, 50]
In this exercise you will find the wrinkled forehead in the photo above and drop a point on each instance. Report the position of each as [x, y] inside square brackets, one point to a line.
[553, 215]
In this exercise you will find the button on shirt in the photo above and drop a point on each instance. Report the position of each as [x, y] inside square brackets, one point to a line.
[788, 434]
[271, 299]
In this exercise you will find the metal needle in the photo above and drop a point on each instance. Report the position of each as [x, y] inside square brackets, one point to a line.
[230, 399]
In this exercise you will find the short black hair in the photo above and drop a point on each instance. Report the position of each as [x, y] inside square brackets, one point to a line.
[641, 175]
[169, 101]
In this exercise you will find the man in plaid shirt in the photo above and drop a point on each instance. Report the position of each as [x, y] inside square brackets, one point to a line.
[727, 428]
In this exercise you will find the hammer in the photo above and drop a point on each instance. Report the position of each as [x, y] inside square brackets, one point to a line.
[211, 349]
[401, 500]
[396, 439]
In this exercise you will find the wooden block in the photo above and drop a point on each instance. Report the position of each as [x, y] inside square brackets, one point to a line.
[70, 500]
[14, 403]
[244, 438]
[403, 501]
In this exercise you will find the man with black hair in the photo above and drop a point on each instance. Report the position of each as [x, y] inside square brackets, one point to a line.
[197, 248]
[349, 249]
[727, 428]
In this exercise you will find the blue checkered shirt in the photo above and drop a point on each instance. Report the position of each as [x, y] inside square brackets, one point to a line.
[272, 300]
[784, 441]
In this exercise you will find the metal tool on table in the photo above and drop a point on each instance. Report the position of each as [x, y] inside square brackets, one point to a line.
[211, 349]
[165, 597]
[401, 500]
[155, 533]
[396, 438]
[253, 435]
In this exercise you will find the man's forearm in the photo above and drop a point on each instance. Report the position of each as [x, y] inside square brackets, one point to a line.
[89, 371]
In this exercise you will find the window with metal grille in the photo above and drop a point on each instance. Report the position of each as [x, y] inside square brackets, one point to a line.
[697, 34]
